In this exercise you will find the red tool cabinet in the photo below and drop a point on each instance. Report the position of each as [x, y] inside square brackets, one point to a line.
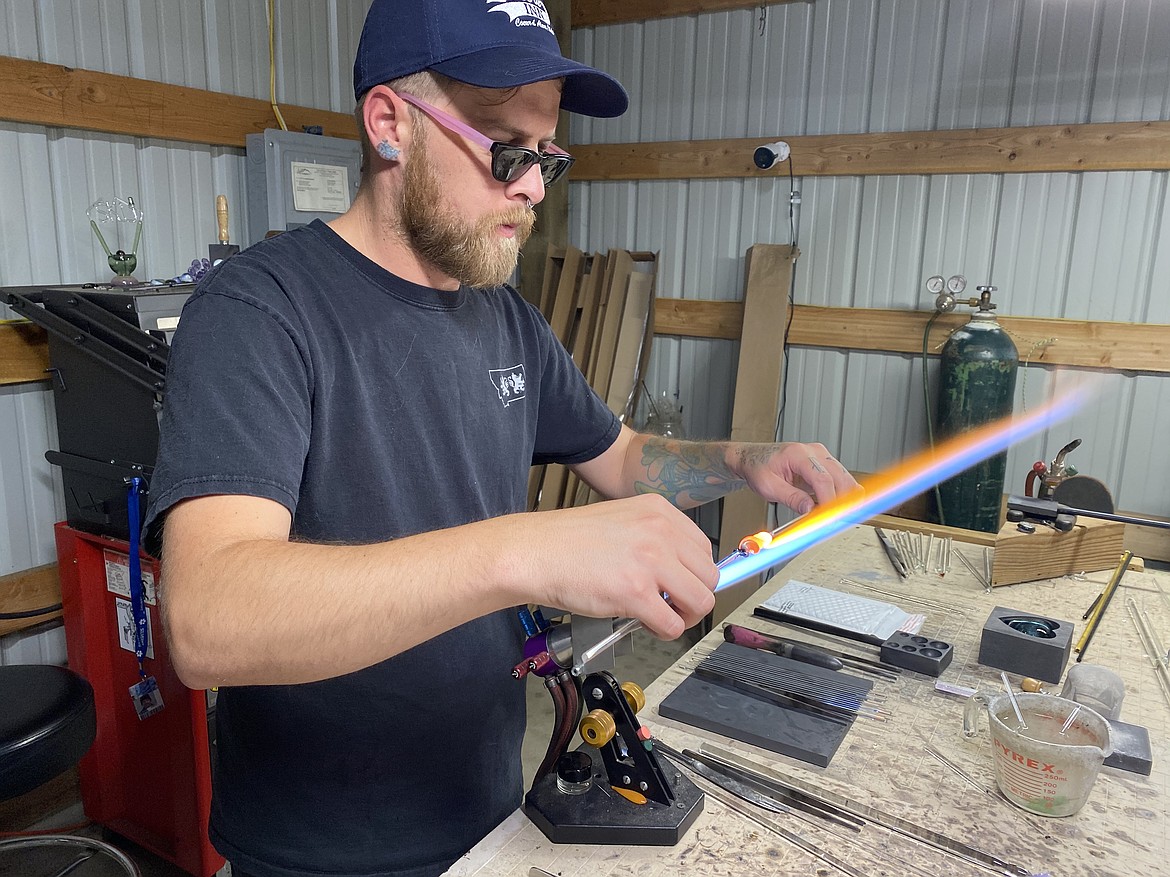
[148, 780]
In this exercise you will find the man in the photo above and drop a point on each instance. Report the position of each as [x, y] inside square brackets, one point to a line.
[342, 477]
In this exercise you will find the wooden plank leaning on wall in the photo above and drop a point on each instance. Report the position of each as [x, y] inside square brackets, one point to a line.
[562, 321]
[758, 378]
[602, 311]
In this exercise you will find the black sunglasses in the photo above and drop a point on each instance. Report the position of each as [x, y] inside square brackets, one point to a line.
[508, 162]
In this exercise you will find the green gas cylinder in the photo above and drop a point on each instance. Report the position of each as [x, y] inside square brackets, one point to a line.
[977, 385]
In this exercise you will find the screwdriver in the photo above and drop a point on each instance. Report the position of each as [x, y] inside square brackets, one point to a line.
[753, 639]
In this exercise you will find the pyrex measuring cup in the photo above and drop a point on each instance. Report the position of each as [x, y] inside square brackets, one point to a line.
[1037, 767]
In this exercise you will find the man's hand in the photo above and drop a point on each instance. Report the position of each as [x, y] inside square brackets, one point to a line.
[796, 474]
[619, 558]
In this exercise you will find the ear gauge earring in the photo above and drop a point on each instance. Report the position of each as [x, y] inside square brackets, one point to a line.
[387, 151]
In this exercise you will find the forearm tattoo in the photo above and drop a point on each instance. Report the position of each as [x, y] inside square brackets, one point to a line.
[686, 473]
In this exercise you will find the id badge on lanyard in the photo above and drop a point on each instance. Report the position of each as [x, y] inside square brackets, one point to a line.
[144, 694]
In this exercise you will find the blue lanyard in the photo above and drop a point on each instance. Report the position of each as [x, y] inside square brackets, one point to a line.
[137, 599]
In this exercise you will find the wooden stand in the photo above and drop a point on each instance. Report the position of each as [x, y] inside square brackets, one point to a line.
[1091, 545]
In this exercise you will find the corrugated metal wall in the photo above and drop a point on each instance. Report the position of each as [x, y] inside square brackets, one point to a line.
[1087, 246]
[52, 175]
[1091, 246]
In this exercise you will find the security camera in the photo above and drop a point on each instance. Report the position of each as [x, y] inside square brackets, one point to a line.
[766, 156]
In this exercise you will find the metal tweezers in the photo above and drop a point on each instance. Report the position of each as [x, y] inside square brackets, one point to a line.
[756, 788]
[893, 553]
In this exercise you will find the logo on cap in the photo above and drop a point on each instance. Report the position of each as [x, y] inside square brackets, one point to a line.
[523, 13]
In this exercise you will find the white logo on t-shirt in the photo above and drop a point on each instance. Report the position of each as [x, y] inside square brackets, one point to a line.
[509, 383]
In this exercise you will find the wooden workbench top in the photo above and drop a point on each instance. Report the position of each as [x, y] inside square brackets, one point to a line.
[1122, 830]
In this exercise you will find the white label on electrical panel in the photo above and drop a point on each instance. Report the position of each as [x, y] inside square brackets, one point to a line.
[320, 188]
[126, 627]
[118, 577]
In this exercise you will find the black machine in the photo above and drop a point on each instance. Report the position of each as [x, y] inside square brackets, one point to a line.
[108, 353]
[613, 790]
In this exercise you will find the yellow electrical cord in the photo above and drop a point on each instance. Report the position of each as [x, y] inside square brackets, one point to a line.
[272, 64]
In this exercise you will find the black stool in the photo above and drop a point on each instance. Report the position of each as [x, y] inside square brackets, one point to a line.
[47, 723]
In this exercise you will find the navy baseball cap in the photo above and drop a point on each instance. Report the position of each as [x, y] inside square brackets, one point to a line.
[487, 43]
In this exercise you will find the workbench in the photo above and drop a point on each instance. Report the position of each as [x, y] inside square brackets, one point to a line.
[1122, 829]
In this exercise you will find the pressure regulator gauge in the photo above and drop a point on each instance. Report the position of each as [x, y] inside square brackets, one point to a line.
[956, 284]
[934, 285]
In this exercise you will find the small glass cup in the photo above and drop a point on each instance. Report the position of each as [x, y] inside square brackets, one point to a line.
[1096, 687]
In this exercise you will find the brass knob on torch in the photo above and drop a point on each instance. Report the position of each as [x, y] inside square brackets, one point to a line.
[635, 696]
[598, 727]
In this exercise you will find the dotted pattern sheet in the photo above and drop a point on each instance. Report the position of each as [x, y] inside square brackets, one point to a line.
[843, 611]
[1121, 830]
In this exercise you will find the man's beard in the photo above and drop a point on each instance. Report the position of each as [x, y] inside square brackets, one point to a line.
[475, 254]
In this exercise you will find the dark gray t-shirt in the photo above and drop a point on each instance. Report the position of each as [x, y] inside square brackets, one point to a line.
[372, 408]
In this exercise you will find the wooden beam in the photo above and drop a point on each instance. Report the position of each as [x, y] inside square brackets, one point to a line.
[1110, 346]
[24, 353]
[911, 525]
[66, 97]
[1111, 146]
[31, 589]
[1142, 347]
[698, 319]
[587, 13]
[56, 96]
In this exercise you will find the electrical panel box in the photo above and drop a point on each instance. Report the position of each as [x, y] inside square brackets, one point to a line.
[294, 178]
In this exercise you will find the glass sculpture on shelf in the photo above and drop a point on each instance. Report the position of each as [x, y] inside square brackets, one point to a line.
[118, 216]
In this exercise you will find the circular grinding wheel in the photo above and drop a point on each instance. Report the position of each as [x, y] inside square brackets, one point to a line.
[1083, 492]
